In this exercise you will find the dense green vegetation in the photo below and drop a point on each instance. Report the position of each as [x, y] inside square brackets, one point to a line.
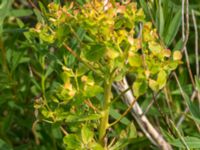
[64, 67]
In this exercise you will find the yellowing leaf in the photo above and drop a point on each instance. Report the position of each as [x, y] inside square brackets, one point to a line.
[172, 65]
[140, 14]
[134, 60]
[161, 79]
[130, 40]
[153, 85]
[154, 47]
[86, 134]
[68, 71]
[167, 53]
[177, 55]
[147, 73]
[111, 53]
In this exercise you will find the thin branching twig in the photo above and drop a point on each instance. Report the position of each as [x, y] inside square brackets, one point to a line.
[196, 50]
[183, 95]
[196, 43]
[124, 114]
[181, 119]
[185, 36]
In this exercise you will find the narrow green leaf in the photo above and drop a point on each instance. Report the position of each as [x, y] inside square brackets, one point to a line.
[20, 12]
[161, 20]
[178, 45]
[144, 6]
[57, 1]
[89, 117]
[116, 115]
[197, 83]
[38, 15]
[197, 120]
[192, 142]
[173, 28]
[4, 145]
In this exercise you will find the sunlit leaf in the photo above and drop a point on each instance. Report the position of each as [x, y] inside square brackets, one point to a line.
[161, 79]
[86, 134]
[134, 60]
[72, 141]
[139, 87]
[153, 85]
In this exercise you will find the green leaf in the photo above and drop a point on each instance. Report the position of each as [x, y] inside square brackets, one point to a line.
[197, 83]
[144, 6]
[96, 146]
[194, 109]
[38, 15]
[21, 12]
[5, 7]
[56, 132]
[115, 114]
[90, 117]
[120, 144]
[72, 141]
[155, 47]
[96, 89]
[47, 37]
[153, 85]
[49, 70]
[197, 120]
[162, 79]
[86, 134]
[132, 132]
[75, 118]
[136, 143]
[161, 20]
[172, 65]
[42, 7]
[135, 60]
[57, 1]
[173, 28]
[4, 145]
[119, 23]
[192, 142]
[178, 45]
[139, 87]
[95, 52]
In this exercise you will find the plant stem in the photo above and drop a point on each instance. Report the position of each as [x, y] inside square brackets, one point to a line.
[124, 114]
[104, 124]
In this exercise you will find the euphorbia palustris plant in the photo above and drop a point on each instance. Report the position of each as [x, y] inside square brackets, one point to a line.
[108, 44]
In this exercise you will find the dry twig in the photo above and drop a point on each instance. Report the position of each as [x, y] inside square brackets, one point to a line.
[151, 133]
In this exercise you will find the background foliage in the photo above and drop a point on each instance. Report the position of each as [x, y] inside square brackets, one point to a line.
[24, 76]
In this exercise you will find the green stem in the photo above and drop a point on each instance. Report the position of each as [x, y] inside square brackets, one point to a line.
[104, 124]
